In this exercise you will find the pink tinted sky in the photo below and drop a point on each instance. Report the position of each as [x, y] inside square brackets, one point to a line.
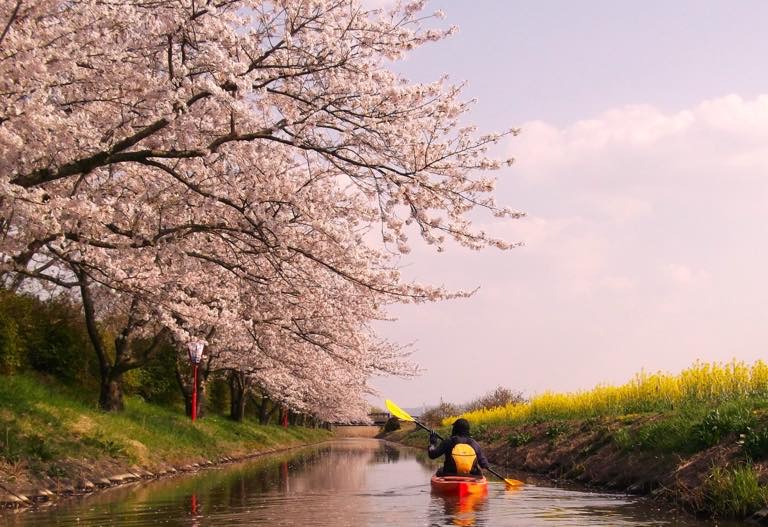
[643, 167]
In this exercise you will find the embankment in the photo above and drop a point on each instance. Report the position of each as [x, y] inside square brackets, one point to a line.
[54, 443]
[706, 465]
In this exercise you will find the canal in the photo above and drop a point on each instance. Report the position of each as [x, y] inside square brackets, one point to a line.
[351, 482]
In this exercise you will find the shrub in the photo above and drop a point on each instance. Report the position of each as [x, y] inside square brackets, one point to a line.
[673, 433]
[624, 439]
[218, 394]
[63, 348]
[495, 399]
[392, 424]
[11, 345]
[435, 416]
[555, 431]
[755, 443]
[48, 336]
[721, 422]
[156, 381]
[519, 438]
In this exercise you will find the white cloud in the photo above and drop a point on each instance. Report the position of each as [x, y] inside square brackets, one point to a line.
[621, 207]
[686, 276]
[617, 283]
[640, 142]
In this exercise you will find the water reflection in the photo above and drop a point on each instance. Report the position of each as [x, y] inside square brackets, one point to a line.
[353, 482]
[388, 453]
[461, 510]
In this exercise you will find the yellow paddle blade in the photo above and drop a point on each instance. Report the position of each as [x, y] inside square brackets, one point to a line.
[398, 412]
[511, 483]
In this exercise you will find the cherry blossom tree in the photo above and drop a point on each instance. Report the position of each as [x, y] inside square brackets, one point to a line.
[223, 165]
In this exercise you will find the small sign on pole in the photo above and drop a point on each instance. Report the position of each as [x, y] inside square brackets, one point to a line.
[195, 350]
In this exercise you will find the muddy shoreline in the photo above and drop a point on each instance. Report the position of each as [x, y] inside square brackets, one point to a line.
[94, 478]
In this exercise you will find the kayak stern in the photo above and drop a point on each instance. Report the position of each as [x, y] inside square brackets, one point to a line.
[459, 485]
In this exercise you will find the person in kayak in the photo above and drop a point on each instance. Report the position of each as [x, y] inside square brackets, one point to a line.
[463, 456]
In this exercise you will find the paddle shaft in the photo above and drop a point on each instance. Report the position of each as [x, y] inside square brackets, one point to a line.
[489, 469]
[428, 429]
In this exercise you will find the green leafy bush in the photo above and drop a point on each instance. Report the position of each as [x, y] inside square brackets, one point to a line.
[556, 430]
[11, 345]
[755, 443]
[37, 448]
[624, 439]
[668, 434]
[218, 395]
[156, 381]
[721, 422]
[519, 438]
[48, 336]
[392, 424]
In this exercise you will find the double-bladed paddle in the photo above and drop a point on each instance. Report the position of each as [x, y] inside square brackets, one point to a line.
[405, 416]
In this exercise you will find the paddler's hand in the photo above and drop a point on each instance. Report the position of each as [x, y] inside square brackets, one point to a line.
[433, 439]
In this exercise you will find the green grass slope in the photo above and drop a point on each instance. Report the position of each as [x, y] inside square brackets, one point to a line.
[50, 432]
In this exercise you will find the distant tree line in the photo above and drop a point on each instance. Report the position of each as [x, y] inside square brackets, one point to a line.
[500, 396]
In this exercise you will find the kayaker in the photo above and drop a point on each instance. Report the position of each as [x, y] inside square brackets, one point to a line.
[463, 456]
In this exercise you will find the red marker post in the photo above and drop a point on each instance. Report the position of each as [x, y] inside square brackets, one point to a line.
[195, 350]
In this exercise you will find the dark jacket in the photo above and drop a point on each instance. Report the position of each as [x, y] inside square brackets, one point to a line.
[446, 446]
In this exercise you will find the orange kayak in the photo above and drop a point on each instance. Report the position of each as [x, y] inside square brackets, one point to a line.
[459, 485]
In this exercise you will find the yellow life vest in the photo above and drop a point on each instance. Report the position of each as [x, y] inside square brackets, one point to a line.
[464, 457]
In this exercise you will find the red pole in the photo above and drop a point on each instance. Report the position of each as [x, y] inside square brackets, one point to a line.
[194, 397]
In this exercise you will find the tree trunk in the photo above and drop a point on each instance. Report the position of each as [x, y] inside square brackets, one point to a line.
[111, 370]
[263, 410]
[111, 379]
[185, 388]
[236, 395]
[202, 398]
[111, 392]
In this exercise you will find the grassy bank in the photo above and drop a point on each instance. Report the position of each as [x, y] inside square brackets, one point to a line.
[710, 462]
[53, 434]
[698, 439]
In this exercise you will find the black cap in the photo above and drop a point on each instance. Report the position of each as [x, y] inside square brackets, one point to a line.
[460, 427]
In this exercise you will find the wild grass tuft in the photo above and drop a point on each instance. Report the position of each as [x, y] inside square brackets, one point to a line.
[735, 492]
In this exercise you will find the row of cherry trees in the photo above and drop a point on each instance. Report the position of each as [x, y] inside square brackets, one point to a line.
[240, 172]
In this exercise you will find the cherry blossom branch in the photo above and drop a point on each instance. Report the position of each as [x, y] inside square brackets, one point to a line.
[10, 20]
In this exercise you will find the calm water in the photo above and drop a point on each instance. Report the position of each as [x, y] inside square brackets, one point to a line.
[354, 482]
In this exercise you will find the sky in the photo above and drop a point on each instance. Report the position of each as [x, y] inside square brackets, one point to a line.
[642, 166]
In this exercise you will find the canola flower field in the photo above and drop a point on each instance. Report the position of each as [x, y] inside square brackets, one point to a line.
[703, 384]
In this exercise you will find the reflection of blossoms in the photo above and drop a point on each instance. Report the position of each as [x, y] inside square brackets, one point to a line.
[217, 177]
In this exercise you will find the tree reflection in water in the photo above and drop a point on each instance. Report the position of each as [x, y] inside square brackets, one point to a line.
[387, 454]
